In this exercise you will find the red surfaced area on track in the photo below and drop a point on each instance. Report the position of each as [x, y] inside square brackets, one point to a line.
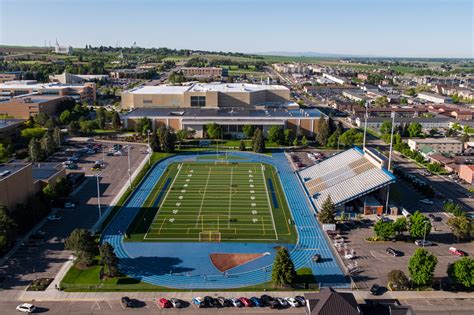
[224, 262]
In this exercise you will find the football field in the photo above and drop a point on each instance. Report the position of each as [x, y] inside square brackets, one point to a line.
[214, 202]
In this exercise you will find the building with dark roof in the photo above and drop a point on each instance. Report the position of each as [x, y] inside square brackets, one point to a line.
[331, 302]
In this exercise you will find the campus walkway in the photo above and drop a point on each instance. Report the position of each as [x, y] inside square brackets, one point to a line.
[310, 237]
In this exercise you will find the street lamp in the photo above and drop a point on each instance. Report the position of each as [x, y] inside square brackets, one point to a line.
[129, 168]
[424, 234]
[148, 150]
[98, 195]
[365, 123]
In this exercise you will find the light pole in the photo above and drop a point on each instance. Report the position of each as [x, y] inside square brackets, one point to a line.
[98, 195]
[365, 123]
[148, 150]
[424, 234]
[390, 160]
[129, 168]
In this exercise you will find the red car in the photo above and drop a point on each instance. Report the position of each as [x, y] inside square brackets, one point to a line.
[164, 303]
[456, 252]
[246, 302]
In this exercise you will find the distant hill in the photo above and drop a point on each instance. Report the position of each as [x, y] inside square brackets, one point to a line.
[302, 54]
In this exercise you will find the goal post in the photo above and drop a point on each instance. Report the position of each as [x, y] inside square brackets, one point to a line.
[210, 236]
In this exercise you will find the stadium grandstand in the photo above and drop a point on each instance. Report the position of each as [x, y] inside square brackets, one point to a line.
[346, 176]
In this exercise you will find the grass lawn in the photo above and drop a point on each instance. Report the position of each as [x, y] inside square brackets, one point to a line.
[215, 202]
[88, 280]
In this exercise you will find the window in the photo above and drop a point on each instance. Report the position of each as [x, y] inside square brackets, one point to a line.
[147, 101]
[198, 101]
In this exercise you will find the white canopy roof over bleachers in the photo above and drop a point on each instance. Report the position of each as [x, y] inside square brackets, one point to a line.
[345, 176]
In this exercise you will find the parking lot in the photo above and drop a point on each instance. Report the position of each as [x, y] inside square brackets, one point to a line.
[373, 261]
[307, 157]
[18, 271]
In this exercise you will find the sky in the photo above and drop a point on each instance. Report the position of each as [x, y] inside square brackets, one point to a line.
[398, 28]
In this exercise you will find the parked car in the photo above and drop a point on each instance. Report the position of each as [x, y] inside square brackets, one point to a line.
[427, 201]
[69, 205]
[72, 167]
[256, 301]
[197, 301]
[126, 302]
[176, 303]
[26, 308]
[222, 301]
[236, 302]
[118, 153]
[393, 252]
[209, 301]
[375, 289]
[164, 303]
[282, 302]
[266, 299]
[292, 301]
[90, 152]
[456, 252]
[423, 243]
[301, 300]
[54, 217]
[245, 302]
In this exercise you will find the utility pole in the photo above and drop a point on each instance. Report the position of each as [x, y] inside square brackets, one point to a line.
[148, 149]
[98, 195]
[390, 160]
[424, 234]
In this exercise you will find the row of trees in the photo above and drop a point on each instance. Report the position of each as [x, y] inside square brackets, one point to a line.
[418, 226]
[40, 149]
[421, 267]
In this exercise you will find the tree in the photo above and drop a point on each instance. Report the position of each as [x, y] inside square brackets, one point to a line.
[73, 128]
[421, 267]
[116, 122]
[283, 272]
[47, 144]
[154, 142]
[168, 143]
[414, 129]
[462, 227]
[258, 141]
[296, 142]
[400, 225]
[4, 154]
[322, 132]
[143, 125]
[327, 212]
[50, 192]
[351, 137]
[101, 117]
[109, 260]
[289, 136]
[304, 141]
[82, 243]
[397, 279]
[248, 131]
[56, 137]
[33, 133]
[386, 127]
[461, 272]
[214, 131]
[381, 101]
[242, 145]
[65, 117]
[34, 151]
[275, 134]
[384, 229]
[420, 225]
[87, 126]
[7, 229]
[41, 118]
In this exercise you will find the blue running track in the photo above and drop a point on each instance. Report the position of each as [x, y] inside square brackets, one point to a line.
[184, 265]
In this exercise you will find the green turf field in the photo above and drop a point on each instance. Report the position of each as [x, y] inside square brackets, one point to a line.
[215, 201]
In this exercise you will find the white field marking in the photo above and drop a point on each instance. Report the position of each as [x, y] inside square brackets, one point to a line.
[166, 195]
[185, 185]
[180, 197]
[190, 175]
[161, 226]
[252, 197]
[203, 197]
[250, 171]
[252, 191]
[251, 186]
[171, 220]
[254, 220]
[191, 171]
[175, 211]
[253, 204]
[183, 191]
[230, 197]
[254, 212]
[178, 204]
[188, 180]
[250, 175]
[250, 180]
[269, 204]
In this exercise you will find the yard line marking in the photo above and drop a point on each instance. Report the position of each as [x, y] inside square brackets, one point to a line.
[166, 195]
[203, 197]
[230, 197]
[268, 199]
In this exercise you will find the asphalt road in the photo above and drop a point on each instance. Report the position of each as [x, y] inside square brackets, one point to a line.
[45, 259]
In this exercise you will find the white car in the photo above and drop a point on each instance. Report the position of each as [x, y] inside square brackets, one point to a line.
[118, 153]
[236, 302]
[54, 217]
[282, 302]
[26, 308]
[69, 205]
[292, 302]
[423, 243]
[427, 201]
